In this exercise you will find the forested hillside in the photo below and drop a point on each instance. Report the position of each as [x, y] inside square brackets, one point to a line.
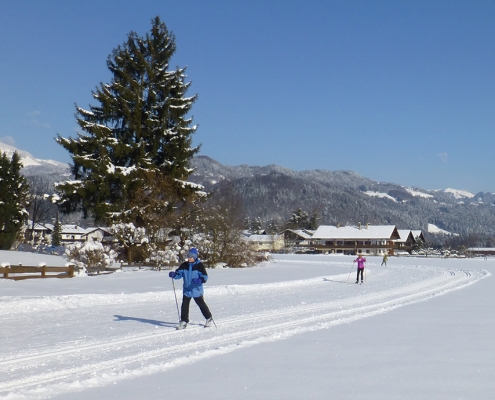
[273, 193]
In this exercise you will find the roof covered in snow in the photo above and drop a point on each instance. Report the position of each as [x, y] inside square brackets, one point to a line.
[404, 234]
[354, 232]
[73, 229]
[417, 233]
[303, 233]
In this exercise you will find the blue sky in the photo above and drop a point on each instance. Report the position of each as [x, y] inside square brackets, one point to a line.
[397, 91]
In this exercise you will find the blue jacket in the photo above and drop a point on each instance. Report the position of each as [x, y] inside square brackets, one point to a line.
[188, 271]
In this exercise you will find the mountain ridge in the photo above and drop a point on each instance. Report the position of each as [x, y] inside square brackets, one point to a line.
[32, 165]
[273, 193]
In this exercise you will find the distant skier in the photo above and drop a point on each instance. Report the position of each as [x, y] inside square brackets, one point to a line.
[385, 259]
[194, 274]
[360, 267]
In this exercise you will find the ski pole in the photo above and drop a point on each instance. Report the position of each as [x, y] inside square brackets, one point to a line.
[176, 302]
[214, 323]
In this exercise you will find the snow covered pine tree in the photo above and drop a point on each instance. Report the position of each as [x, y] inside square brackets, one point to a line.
[131, 164]
[13, 199]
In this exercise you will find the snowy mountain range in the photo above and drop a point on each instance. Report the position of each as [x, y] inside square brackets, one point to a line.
[35, 166]
[211, 172]
[273, 192]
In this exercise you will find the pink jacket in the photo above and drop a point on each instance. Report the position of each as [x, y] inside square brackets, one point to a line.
[360, 262]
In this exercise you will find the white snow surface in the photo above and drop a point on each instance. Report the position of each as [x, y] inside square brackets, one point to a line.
[417, 193]
[459, 194]
[381, 195]
[296, 327]
[432, 228]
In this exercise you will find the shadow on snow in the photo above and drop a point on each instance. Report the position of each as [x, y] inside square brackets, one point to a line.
[145, 321]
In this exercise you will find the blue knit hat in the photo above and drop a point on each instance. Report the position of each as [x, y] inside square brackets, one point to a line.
[193, 253]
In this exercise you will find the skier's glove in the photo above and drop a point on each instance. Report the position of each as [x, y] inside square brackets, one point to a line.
[197, 281]
[172, 274]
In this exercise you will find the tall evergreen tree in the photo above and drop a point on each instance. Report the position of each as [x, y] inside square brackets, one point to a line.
[138, 134]
[13, 199]
[273, 227]
[313, 222]
[256, 226]
[57, 233]
[299, 219]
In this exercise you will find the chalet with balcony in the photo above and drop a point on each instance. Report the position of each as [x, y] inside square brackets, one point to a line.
[367, 240]
[408, 239]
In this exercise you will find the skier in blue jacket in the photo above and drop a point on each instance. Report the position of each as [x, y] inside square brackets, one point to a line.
[194, 274]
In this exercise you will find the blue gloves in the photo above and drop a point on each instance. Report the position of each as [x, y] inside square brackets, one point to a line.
[196, 281]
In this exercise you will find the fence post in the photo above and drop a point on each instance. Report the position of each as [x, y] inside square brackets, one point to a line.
[71, 271]
[6, 273]
[43, 271]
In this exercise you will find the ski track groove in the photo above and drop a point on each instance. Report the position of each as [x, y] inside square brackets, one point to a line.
[251, 328]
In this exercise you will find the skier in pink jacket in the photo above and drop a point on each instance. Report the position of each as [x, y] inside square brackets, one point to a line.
[360, 267]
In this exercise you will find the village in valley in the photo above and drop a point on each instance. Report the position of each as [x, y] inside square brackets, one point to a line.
[371, 240]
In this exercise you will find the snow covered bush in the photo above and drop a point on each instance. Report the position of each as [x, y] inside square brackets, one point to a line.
[173, 252]
[91, 256]
[160, 258]
[133, 242]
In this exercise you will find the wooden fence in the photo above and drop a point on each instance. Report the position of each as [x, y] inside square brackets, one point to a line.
[18, 272]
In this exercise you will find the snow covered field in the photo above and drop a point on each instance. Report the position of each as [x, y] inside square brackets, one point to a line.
[292, 328]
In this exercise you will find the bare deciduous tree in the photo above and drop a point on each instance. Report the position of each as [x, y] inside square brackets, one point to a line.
[223, 223]
[41, 208]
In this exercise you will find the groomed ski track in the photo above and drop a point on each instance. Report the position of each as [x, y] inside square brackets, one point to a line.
[146, 342]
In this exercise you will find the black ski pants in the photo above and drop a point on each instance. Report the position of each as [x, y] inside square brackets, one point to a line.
[200, 301]
[360, 270]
